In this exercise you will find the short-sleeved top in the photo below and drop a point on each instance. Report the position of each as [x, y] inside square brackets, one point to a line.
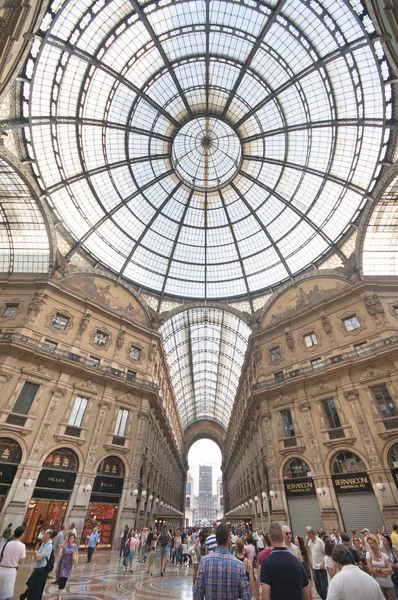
[14, 551]
[133, 542]
[317, 551]
[211, 542]
[285, 575]
[380, 564]
[250, 552]
[46, 550]
[263, 555]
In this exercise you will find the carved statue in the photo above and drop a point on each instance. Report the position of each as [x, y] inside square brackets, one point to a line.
[83, 324]
[37, 304]
[289, 340]
[120, 339]
[373, 305]
[327, 328]
[153, 353]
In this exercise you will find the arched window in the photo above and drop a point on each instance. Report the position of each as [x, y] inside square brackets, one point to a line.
[221, 502]
[188, 502]
[10, 451]
[111, 466]
[347, 462]
[392, 457]
[62, 459]
[188, 488]
[295, 467]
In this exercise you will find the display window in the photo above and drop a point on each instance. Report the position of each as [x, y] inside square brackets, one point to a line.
[103, 516]
[10, 457]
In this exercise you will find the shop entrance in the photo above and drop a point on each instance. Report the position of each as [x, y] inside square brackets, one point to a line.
[301, 497]
[51, 494]
[104, 501]
[10, 457]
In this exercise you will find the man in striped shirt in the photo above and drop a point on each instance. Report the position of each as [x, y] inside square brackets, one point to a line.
[221, 576]
[211, 542]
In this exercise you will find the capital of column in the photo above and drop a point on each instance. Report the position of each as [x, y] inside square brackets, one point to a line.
[351, 394]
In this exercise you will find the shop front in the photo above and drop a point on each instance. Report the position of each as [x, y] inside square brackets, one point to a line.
[301, 497]
[51, 494]
[10, 457]
[392, 459]
[105, 498]
[357, 502]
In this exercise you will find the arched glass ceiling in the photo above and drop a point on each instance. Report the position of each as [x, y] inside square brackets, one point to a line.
[208, 148]
[205, 350]
[380, 248]
[24, 244]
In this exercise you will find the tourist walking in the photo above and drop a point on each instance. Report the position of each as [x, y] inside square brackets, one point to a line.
[163, 542]
[68, 557]
[197, 554]
[123, 541]
[380, 567]
[221, 576]
[282, 574]
[316, 548]
[58, 542]
[6, 535]
[287, 540]
[92, 543]
[305, 561]
[240, 555]
[151, 561]
[132, 544]
[351, 583]
[12, 555]
[37, 580]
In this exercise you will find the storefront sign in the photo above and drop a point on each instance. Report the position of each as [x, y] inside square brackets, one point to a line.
[61, 480]
[299, 487]
[347, 483]
[109, 485]
[395, 476]
[7, 473]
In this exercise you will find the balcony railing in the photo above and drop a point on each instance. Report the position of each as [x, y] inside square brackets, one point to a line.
[327, 362]
[27, 342]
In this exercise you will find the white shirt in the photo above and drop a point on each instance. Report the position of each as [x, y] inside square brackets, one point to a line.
[293, 549]
[13, 553]
[317, 550]
[352, 583]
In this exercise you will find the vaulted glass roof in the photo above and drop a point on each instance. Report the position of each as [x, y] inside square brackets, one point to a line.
[206, 148]
[205, 350]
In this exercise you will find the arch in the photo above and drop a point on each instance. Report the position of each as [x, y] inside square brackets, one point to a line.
[121, 458]
[187, 502]
[62, 459]
[203, 430]
[77, 451]
[111, 466]
[392, 456]
[218, 305]
[296, 467]
[16, 256]
[10, 451]
[346, 461]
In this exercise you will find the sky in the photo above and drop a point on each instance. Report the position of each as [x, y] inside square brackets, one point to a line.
[204, 452]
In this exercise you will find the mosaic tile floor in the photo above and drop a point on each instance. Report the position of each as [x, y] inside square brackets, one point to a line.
[105, 578]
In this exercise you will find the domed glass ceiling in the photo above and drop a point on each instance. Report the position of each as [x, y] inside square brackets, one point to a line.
[206, 149]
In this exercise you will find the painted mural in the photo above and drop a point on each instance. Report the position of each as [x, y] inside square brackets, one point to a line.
[107, 294]
[305, 294]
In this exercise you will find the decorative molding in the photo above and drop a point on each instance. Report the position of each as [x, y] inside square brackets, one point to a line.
[305, 410]
[108, 342]
[373, 374]
[83, 324]
[37, 304]
[139, 443]
[269, 447]
[130, 345]
[120, 339]
[323, 389]
[35, 454]
[127, 399]
[50, 317]
[374, 307]
[364, 430]
[350, 441]
[326, 325]
[289, 340]
[308, 331]
[39, 373]
[15, 301]
[87, 387]
[346, 315]
[96, 435]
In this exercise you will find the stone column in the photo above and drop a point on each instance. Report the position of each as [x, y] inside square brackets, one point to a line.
[140, 437]
[277, 503]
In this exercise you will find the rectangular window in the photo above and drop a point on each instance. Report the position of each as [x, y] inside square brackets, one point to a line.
[351, 323]
[93, 362]
[384, 401]
[331, 416]
[121, 422]
[361, 349]
[279, 376]
[25, 398]
[275, 354]
[49, 346]
[135, 353]
[100, 338]
[9, 310]
[78, 410]
[60, 321]
[317, 363]
[287, 423]
[310, 340]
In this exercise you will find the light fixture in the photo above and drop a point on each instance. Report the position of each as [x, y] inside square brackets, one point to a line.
[273, 494]
[320, 491]
[263, 495]
[246, 504]
[250, 501]
[150, 498]
[156, 500]
[28, 483]
[135, 492]
[143, 493]
[161, 503]
[87, 489]
[380, 486]
[255, 498]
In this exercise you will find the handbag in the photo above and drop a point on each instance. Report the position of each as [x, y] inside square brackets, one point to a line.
[191, 550]
[75, 558]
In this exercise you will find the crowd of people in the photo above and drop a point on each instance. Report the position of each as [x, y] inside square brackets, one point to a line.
[227, 564]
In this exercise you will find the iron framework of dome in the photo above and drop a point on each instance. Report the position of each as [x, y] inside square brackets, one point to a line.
[206, 149]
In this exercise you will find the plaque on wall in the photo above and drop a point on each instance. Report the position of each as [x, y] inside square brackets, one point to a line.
[348, 483]
[395, 476]
[108, 485]
[299, 487]
[7, 473]
[60, 480]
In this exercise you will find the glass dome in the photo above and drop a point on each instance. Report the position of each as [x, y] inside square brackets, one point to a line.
[206, 149]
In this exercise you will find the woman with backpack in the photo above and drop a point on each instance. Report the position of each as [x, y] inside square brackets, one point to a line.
[67, 559]
[163, 541]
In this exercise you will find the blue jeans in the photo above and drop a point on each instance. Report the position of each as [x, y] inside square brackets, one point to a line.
[178, 555]
[321, 582]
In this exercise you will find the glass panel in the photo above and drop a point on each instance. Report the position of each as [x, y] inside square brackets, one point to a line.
[78, 410]
[384, 401]
[287, 423]
[25, 398]
[352, 323]
[347, 462]
[10, 310]
[60, 322]
[331, 415]
[295, 467]
[121, 422]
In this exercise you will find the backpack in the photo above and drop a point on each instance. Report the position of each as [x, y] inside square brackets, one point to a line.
[50, 562]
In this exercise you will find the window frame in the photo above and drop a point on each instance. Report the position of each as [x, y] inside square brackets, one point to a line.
[121, 418]
[383, 411]
[330, 419]
[56, 316]
[312, 336]
[102, 343]
[76, 417]
[347, 320]
[275, 357]
[290, 426]
[6, 306]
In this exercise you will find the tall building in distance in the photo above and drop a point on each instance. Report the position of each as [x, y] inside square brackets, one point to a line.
[206, 507]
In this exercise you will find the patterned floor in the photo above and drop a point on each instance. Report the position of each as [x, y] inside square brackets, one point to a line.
[104, 578]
